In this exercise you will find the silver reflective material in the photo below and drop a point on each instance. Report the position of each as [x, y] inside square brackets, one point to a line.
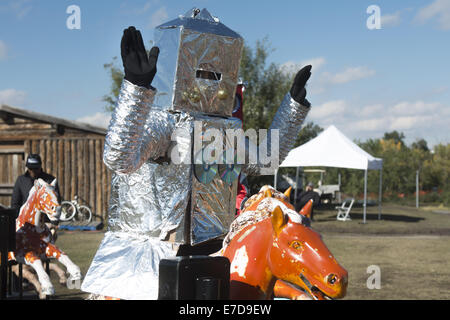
[135, 134]
[127, 267]
[288, 120]
[189, 45]
[213, 204]
[153, 201]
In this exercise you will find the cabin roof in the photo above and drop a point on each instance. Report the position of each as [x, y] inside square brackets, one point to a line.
[14, 112]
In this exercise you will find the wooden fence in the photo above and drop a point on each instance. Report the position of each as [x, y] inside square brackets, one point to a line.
[11, 166]
[77, 163]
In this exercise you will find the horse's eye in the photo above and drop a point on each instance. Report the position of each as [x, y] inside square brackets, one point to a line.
[331, 278]
[296, 245]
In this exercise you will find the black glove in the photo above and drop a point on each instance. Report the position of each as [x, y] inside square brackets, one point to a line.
[140, 69]
[298, 91]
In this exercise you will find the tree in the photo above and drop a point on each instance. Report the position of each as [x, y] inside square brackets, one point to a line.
[308, 132]
[420, 144]
[266, 88]
[397, 137]
[116, 74]
[436, 169]
[266, 85]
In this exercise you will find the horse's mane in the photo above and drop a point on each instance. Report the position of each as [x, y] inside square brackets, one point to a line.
[263, 210]
[33, 190]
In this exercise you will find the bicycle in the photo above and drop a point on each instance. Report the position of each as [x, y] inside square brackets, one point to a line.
[72, 210]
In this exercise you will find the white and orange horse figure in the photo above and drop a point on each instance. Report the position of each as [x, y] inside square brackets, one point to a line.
[33, 237]
[273, 251]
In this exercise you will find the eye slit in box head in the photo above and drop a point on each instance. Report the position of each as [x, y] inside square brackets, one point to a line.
[203, 72]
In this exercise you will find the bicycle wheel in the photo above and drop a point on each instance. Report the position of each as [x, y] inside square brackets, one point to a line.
[84, 214]
[68, 211]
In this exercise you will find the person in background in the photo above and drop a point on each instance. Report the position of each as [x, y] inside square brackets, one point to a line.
[25, 182]
[305, 196]
[238, 112]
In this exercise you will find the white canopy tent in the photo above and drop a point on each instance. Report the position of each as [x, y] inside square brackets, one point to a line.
[332, 148]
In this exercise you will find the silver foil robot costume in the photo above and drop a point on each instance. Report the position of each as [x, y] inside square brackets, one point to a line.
[156, 205]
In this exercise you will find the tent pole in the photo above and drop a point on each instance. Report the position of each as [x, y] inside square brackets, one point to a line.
[380, 194]
[417, 189]
[365, 196]
[339, 183]
[296, 185]
[275, 179]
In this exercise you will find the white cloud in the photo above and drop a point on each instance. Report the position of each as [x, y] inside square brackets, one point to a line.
[371, 110]
[292, 67]
[3, 50]
[158, 17]
[130, 7]
[416, 119]
[439, 10]
[20, 8]
[146, 6]
[99, 119]
[321, 81]
[414, 108]
[409, 122]
[13, 97]
[328, 109]
[348, 75]
[375, 124]
[390, 20]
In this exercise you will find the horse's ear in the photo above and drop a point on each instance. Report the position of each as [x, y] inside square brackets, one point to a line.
[38, 183]
[287, 193]
[53, 184]
[268, 193]
[278, 220]
[306, 210]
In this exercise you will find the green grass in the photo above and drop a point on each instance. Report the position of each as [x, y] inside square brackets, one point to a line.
[395, 219]
[411, 247]
[81, 247]
[411, 267]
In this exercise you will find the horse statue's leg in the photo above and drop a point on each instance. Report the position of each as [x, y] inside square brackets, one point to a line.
[46, 286]
[60, 272]
[31, 277]
[53, 252]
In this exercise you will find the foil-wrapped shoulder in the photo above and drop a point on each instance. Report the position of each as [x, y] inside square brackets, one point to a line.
[136, 133]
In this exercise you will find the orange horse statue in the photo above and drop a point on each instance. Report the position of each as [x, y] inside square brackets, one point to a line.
[33, 237]
[274, 252]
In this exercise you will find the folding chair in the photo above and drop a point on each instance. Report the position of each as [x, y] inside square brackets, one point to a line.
[344, 212]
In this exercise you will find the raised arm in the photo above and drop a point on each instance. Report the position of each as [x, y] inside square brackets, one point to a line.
[288, 121]
[134, 135]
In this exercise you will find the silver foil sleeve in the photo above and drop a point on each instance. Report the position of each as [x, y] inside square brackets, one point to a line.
[133, 135]
[287, 121]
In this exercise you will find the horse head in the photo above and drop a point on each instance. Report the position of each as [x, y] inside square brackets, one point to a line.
[46, 200]
[299, 256]
[272, 241]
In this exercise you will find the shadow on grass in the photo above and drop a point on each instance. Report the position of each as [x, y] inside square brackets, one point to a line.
[325, 216]
[386, 217]
[70, 296]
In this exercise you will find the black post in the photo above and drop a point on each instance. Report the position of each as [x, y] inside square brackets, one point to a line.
[7, 243]
[4, 220]
[20, 282]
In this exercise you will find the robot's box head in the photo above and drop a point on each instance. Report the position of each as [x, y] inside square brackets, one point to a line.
[198, 64]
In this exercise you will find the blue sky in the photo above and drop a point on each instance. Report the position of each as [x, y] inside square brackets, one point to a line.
[366, 82]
